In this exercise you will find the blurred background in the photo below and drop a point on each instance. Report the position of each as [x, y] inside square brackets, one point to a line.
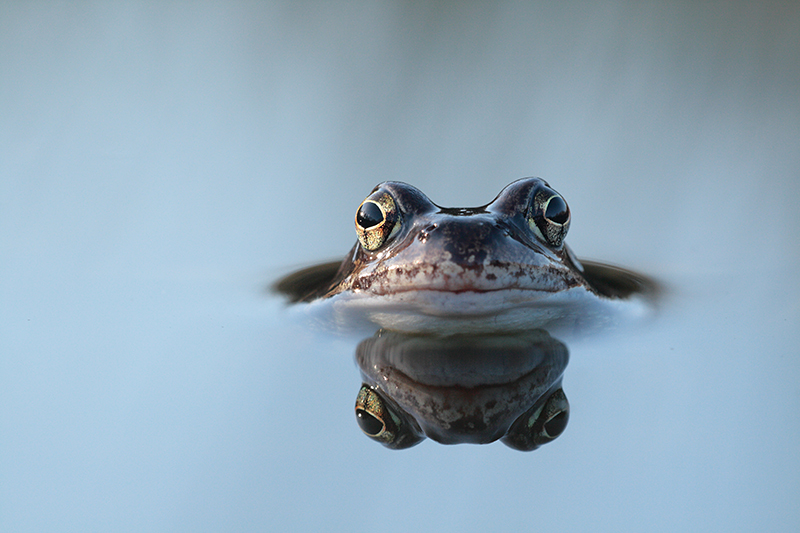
[162, 163]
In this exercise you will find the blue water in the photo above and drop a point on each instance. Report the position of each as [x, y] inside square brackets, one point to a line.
[161, 165]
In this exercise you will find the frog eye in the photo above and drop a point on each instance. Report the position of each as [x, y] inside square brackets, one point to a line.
[376, 220]
[549, 216]
[543, 424]
[383, 422]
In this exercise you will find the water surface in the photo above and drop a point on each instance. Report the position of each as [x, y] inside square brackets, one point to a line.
[161, 165]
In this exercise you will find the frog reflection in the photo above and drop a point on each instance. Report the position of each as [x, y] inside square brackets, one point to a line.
[462, 389]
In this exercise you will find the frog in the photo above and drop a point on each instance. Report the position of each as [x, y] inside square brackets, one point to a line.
[503, 266]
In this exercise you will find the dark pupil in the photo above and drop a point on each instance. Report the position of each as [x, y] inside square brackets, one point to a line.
[555, 426]
[556, 210]
[368, 423]
[369, 215]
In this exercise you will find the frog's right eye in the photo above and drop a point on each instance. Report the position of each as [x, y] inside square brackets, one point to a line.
[383, 422]
[376, 220]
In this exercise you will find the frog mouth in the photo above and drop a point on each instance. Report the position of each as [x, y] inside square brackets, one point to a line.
[469, 290]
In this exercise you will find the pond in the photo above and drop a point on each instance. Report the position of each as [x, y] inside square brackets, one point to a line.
[162, 167]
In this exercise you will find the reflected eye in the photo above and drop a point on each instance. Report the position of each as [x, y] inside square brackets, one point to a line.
[556, 424]
[369, 423]
[380, 421]
[548, 216]
[541, 425]
[376, 220]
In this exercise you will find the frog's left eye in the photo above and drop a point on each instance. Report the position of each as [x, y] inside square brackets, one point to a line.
[540, 425]
[383, 422]
[549, 216]
[376, 220]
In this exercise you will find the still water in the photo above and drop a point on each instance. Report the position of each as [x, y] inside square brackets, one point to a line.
[160, 167]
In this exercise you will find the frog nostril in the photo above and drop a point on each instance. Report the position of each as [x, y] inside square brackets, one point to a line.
[425, 233]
